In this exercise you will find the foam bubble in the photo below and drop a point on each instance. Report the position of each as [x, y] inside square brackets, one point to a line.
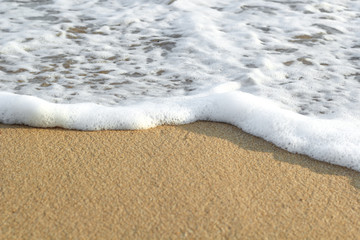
[334, 141]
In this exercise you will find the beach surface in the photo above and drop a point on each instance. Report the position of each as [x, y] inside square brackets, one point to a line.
[198, 181]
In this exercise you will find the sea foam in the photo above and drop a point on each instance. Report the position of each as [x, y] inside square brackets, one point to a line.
[334, 141]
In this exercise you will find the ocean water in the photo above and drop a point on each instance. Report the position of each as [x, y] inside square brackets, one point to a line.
[284, 70]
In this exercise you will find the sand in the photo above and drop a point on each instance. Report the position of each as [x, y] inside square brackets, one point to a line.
[197, 181]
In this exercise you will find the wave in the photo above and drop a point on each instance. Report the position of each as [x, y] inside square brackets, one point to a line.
[331, 140]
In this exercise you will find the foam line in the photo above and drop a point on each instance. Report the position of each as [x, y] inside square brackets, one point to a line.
[331, 140]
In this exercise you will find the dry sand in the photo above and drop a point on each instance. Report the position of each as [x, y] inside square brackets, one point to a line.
[196, 181]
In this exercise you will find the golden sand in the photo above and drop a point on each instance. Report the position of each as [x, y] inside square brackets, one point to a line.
[197, 181]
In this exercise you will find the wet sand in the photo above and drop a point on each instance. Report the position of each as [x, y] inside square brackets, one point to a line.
[197, 181]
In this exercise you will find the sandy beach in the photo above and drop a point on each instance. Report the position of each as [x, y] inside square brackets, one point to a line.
[197, 181]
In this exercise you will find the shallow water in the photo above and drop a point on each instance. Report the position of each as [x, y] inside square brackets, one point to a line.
[145, 63]
[302, 54]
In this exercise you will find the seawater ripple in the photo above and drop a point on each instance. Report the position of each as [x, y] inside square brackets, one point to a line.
[304, 55]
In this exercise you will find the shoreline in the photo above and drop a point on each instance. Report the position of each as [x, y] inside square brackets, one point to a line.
[199, 180]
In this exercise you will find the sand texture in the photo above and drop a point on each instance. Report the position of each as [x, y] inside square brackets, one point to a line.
[197, 181]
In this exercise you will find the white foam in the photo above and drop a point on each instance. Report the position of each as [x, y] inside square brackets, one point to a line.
[334, 141]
